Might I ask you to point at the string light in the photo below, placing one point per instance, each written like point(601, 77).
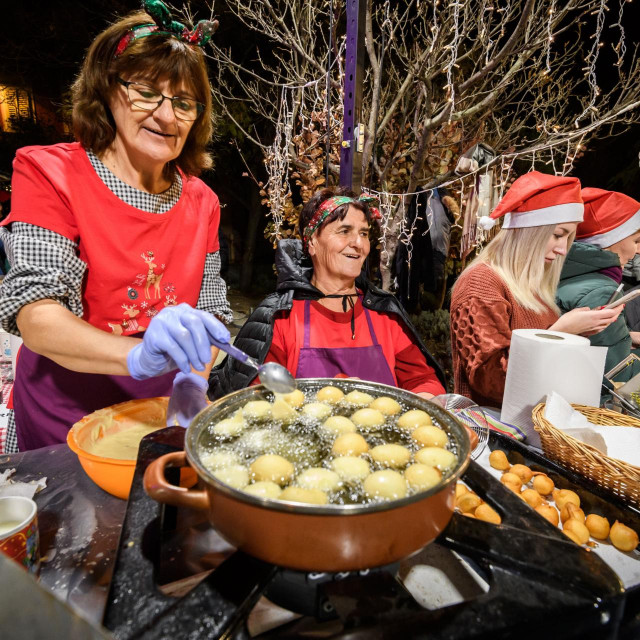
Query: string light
point(454, 55)
point(593, 57)
point(560, 152)
point(549, 37)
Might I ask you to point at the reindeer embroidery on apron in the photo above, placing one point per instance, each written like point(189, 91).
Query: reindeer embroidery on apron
point(153, 278)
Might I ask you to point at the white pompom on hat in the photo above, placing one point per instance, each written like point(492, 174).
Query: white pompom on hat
point(609, 217)
point(537, 199)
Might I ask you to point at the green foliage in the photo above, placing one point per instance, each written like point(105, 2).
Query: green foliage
point(433, 328)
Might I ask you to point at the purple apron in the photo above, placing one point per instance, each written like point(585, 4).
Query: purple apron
point(366, 363)
point(48, 398)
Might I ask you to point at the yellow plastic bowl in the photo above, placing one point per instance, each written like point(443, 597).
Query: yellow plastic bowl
point(111, 474)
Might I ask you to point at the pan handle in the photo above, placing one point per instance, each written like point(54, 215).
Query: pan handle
point(157, 487)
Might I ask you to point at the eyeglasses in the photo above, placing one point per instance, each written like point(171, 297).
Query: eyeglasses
point(147, 98)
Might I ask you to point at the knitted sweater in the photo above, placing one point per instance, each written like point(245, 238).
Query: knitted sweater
point(483, 315)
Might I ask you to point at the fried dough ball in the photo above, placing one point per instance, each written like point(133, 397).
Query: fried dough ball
point(430, 436)
point(531, 497)
point(299, 494)
point(598, 526)
point(219, 459)
point(549, 513)
point(522, 471)
point(235, 476)
point(317, 410)
point(468, 502)
point(391, 455)
point(318, 478)
point(256, 410)
point(512, 479)
point(230, 427)
point(622, 537)
point(263, 489)
point(330, 395)
point(387, 406)
point(571, 512)
point(349, 444)
point(579, 529)
point(386, 484)
point(498, 460)
point(413, 419)
point(572, 536)
point(339, 424)
point(350, 468)
point(367, 418)
point(543, 484)
point(516, 487)
point(422, 477)
point(487, 513)
point(563, 496)
point(460, 489)
point(272, 468)
point(436, 457)
point(358, 398)
point(295, 398)
point(257, 441)
point(283, 411)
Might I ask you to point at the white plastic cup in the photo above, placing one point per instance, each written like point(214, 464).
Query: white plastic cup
point(19, 536)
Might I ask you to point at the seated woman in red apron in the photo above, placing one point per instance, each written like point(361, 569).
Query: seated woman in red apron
point(325, 319)
point(112, 240)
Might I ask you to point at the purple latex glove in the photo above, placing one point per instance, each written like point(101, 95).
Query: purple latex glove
point(189, 397)
point(177, 338)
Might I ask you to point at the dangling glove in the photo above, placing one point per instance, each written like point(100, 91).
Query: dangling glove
point(189, 397)
point(177, 338)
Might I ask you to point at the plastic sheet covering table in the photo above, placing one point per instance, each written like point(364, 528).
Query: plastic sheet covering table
point(79, 527)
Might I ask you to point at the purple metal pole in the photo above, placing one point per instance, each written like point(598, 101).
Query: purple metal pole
point(351, 153)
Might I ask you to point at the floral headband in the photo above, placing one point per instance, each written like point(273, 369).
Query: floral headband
point(164, 25)
point(329, 206)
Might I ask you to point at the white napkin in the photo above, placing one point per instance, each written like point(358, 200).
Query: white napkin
point(618, 442)
point(24, 489)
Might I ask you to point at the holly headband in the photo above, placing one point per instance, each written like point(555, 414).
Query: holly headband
point(164, 25)
point(329, 206)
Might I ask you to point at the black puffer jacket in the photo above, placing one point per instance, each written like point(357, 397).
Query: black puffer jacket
point(294, 274)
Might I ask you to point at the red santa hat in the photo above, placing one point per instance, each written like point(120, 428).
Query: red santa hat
point(537, 199)
point(609, 217)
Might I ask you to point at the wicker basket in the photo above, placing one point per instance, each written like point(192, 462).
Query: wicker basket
point(616, 476)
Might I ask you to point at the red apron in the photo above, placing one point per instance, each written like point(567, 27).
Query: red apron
point(366, 363)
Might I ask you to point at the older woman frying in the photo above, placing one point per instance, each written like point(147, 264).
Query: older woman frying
point(113, 241)
point(325, 319)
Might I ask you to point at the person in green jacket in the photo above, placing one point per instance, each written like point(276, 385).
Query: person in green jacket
point(606, 240)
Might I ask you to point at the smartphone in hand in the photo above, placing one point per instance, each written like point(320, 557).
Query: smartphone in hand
point(629, 296)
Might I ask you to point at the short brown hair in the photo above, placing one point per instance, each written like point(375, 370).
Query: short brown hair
point(158, 56)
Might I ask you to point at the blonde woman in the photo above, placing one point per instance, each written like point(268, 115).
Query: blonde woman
point(512, 283)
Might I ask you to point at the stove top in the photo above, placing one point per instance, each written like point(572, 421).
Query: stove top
point(538, 581)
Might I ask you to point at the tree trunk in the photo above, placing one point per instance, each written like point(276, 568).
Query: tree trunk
point(250, 239)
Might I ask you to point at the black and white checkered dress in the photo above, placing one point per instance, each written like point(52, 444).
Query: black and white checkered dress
point(45, 265)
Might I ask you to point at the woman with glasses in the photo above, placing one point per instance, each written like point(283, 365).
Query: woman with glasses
point(113, 241)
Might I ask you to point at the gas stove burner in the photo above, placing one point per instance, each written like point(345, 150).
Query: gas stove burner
point(304, 593)
point(540, 584)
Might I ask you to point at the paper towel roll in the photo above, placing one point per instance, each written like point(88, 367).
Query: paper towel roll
point(542, 361)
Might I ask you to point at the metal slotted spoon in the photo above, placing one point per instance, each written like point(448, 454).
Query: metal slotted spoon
point(273, 376)
point(470, 414)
